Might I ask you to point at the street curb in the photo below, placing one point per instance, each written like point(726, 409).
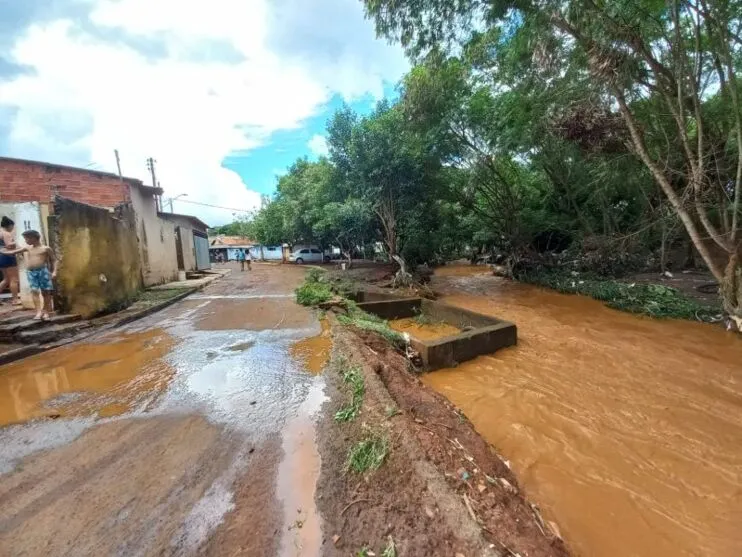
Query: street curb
point(33, 349)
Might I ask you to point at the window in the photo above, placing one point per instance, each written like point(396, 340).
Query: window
point(316, 251)
point(271, 249)
point(304, 251)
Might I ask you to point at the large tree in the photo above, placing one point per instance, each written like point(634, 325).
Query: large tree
point(660, 76)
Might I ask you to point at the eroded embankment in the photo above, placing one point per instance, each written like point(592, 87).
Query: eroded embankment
point(440, 488)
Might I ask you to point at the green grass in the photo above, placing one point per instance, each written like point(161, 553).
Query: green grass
point(367, 454)
point(362, 320)
point(353, 377)
point(156, 296)
point(315, 290)
point(654, 300)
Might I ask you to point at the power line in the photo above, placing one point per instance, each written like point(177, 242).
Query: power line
point(214, 206)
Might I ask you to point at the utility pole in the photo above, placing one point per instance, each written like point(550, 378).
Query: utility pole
point(118, 164)
point(151, 167)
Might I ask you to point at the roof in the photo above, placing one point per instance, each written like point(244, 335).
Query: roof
point(231, 241)
point(194, 220)
point(132, 181)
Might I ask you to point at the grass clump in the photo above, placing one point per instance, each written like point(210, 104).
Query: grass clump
point(353, 377)
point(314, 290)
point(156, 296)
point(368, 454)
point(390, 550)
point(362, 320)
point(655, 300)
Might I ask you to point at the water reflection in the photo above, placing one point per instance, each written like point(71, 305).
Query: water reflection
point(107, 378)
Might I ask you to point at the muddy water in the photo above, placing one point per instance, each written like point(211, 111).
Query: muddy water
point(314, 352)
point(626, 431)
point(423, 331)
point(107, 378)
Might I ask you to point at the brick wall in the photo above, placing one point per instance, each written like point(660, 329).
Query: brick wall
point(34, 181)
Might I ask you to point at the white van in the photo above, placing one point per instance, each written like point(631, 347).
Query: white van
point(308, 255)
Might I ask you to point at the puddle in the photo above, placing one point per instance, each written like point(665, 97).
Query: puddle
point(627, 431)
point(314, 352)
point(108, 378)
point(297, 480)
point(424, 330)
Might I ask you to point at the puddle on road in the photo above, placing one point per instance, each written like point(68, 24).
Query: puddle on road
point(82, 379)
point(314, 352)
point(462, 270)
point(626, 430)
point(424, 330)
point(297, 480)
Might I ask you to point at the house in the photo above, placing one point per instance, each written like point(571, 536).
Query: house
point(228, 247)
point(34, 185)
point(191, 242)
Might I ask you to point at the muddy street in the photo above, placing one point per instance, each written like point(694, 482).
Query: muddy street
point(627, 431)
point(189, 431)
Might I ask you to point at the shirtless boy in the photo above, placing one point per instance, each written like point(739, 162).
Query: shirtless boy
point(39, 259)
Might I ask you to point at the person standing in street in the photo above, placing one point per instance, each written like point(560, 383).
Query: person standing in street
point(241, 257)
point(248, 258)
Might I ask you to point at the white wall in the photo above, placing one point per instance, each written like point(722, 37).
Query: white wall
point(26, 216)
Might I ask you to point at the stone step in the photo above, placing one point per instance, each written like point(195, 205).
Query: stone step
point(13, 330)
point(52, 333)
point(16, 317)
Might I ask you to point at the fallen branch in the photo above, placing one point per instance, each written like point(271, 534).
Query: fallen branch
point(349, 505)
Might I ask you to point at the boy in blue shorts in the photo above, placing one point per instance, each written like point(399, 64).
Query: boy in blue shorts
point(41, 269)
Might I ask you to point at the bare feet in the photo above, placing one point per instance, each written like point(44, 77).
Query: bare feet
point(37, 316)
point(45, 316)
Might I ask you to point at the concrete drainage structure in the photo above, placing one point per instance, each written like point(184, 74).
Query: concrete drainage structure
point(481, 334)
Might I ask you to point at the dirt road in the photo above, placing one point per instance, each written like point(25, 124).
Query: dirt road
point(188, 432)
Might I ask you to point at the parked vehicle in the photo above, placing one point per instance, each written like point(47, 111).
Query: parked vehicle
point(308, 255)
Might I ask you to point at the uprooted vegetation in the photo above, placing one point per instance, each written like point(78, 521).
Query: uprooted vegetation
point(353, 377)
point(315, 290)
point(368, 453)
point(654, 300)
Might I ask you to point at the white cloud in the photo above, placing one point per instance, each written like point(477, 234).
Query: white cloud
point(318, 145)
point(87, 96)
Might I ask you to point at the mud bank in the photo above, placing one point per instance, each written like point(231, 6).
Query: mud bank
point(441, 489)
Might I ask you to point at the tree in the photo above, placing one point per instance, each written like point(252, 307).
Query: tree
point(382, 163)
point(658, 77)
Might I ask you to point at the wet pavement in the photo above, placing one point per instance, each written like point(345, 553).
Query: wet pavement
point(190, 431)
point(627, 431)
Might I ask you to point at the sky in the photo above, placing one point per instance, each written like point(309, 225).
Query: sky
point(224, 94)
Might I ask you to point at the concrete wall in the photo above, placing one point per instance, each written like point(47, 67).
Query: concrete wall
point(98, 257)
point(156, 240)
point(481, 334)
point(37, 181)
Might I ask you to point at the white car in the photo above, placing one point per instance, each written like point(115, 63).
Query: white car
point(308, 255)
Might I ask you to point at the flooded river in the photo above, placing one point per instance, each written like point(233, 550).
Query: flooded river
point(627, 431)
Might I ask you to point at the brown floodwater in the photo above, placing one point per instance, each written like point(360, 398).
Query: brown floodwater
point(81, 379)
point(424, 331)
point(314, 352)
point(627, 431)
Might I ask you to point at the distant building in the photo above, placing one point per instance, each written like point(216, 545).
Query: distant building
point(227, 248)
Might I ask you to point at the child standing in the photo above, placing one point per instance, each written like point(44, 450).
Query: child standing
point(39, 260)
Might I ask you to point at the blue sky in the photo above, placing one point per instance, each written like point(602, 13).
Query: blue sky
point(260, 168)
point(224, 94)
